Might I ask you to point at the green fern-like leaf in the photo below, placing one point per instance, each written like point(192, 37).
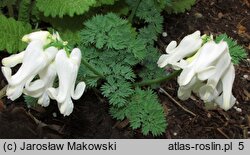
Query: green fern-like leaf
point(72, 37)
point(24, 10)
point(118, 112)
point(150, 69)
point(64, 7)
point(30, 101)
point(4, 3)
point(11, 32)
point(105, 2)
point(122, 72)
point(236, 51)
point(109, 31)
point(117, 91)
point(145, 111)
point(180, 6)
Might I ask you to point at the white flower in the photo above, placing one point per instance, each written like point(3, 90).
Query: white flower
point(13, 60)
point(34, 89)
point(208, 91)
point(184, 92)
point(67, 69)
point(210, 75)
point(175, 55)
point(34, 59)
point(226, 100)
point(203, 66)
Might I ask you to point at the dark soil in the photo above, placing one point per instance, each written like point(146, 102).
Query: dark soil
point(91, 119)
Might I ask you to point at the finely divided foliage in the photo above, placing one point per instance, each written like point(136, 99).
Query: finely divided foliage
point(237, 52)
point(113, 46)
point(144, 111)
point(180, 6)
point(64, 7)
point(4, 3)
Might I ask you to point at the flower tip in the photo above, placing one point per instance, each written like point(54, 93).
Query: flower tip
point(26, 39)
point(197, 33)
point(171, 46)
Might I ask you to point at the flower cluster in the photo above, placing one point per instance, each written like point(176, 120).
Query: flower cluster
point(44, 59)
point(206, 66)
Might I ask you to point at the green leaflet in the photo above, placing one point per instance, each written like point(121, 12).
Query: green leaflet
point(118, 112)
point(64, 7)
point(107, 32)
point(30, 101)
point(72, 37)
point(113, 47)
point(11, 33)
point(180, 6)
point(117, 91)
point(144, 111)
point(104, 2)
point(236, 51)
point(24, 10)
point(4, 3)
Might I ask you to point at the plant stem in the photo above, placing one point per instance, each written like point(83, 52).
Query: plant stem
point(158, 80)
point(131, 16)
point(92, 68)
point(10, 10)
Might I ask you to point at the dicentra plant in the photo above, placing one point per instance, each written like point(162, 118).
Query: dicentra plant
point(118, 53)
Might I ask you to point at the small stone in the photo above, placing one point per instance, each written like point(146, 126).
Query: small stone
point(238, 109)
point(164, 34)
point(198, 15)
point(208, 115)
point(245, 76)
point(237, 103)
point(54, 114)
point(220, 15)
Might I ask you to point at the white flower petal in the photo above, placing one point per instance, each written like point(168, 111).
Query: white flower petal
point(209, 92)
point(186, 76)
point(204, 63)
point(188, 46)
point(64, 68)
point(34, 89)
point(53, 93)
point(227, 83)
point(7, 73)
point(184, 92)
point(14, 92)
point(209, 54)
point(76, 56)
point(78, 91)
point(66, 108)
point(13, 60)
point(44, 100)
point(205, 73)
point(38, 35)
point(163, 60)
point(171, 46)
point(33, 62)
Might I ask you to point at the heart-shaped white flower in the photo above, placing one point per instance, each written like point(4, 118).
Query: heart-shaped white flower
point(33, 60)
point(67, 69)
